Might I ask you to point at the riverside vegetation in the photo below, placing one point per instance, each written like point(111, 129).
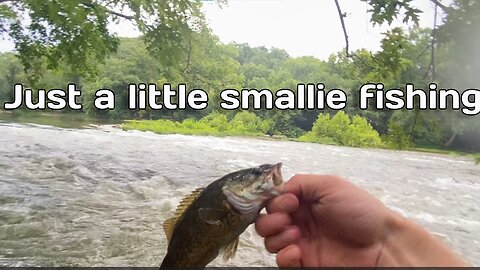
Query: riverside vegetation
point(445, 55)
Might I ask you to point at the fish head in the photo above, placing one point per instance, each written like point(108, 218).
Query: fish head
point(248, 189)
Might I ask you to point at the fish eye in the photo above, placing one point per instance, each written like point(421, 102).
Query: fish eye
point(256, 171)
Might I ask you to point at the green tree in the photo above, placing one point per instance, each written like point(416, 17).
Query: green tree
point(11, 72)
point(75, 32)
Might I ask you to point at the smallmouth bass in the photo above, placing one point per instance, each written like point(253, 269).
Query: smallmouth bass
point(210, 220)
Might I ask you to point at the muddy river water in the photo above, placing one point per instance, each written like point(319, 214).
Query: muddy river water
point(97, 196)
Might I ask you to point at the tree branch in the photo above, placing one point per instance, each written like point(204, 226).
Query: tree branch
point(342, 21)
point(437, 3)
point(431, 67)
point(347, 43)
point(434, 41)
point(189, 56)
point(4, 1)
point(361, 60)
point(89, 5)
point(374, 59)
point(94, 6)
point(424, 51)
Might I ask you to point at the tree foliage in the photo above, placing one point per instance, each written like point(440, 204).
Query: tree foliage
point(343, 130)
point(243, 123)
point(75, 32)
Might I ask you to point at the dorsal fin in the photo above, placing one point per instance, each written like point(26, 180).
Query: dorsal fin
point(169, 224)
point(230, 249)
point(168, 227)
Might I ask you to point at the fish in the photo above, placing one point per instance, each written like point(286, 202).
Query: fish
point(209, 221)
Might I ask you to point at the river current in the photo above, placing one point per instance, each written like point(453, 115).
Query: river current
point(97, 196)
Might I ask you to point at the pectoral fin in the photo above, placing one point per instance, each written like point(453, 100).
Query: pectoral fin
point(211, 216)
point(230, 249)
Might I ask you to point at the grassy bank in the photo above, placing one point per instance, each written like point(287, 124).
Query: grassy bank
point(215, 124)
point(339, 130)
point(187, 127)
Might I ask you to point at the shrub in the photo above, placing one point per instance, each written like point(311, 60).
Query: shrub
point(216, 120)
point(339, 128)
point(362, 134)
point(343, 131)
point(244, 123)
point(321, 125)
point(397, 138)
point(250, 123)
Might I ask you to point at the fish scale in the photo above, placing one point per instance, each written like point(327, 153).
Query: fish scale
point(209, 221)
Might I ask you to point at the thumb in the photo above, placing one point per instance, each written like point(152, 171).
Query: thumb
point(312, 187)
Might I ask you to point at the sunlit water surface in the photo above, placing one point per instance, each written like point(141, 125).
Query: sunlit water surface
point(98, 196)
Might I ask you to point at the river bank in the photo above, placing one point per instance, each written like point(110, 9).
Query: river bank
point(199, 129)
point(72, 120)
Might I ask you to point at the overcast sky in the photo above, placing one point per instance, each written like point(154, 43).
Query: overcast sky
point(301, 27)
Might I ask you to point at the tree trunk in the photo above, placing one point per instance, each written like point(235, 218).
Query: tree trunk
point(412, 130)
point(451, 140)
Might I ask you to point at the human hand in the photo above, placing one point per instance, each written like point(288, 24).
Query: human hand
point(324, 221)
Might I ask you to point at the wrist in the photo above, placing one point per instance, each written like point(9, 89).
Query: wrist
point(408, 244)
point(389, 254)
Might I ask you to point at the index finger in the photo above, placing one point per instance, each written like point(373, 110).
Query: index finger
point(283, 203)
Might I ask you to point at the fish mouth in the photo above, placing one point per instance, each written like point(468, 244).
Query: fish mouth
point(274, 174)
